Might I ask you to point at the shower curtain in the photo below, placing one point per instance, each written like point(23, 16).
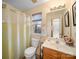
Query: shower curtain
point(15, 33)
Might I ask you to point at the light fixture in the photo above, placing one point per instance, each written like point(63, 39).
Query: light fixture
point(34, 1)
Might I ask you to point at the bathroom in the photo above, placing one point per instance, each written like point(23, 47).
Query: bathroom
point(38, 29)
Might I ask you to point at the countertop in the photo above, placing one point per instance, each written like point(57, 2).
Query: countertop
point(59, 45)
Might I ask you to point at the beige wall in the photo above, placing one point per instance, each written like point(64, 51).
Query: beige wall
point(72, 28)
point(45, 8)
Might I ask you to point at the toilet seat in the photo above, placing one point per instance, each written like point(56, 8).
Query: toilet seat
point(30, 51)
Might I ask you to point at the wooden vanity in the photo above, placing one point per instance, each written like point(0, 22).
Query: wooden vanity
point(53, 50)
point(53, 54)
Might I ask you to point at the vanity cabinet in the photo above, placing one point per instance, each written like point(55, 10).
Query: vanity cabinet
point(53, 54)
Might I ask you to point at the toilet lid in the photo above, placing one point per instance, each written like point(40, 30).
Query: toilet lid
point(30, 50)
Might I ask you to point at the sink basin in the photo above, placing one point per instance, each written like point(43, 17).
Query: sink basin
point(59, 46)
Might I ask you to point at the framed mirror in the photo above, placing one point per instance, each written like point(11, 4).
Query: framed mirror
point(74, 13)
point(66, 18)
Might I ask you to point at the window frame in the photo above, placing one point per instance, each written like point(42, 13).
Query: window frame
point(37, 20)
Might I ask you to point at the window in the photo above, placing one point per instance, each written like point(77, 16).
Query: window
point(36, 20)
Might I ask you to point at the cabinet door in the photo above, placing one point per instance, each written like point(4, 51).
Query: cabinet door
point(49, 54)
point(46, 56)
point(66, 56)
point(50, 51)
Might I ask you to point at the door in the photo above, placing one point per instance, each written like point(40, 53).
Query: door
point(66, 56)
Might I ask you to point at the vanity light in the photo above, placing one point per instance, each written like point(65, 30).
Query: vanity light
point(57, 7)
point(34, 1)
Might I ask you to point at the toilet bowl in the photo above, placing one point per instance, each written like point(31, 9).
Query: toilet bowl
point(29, 53)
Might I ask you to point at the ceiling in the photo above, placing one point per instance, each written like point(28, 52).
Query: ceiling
point(25, 4)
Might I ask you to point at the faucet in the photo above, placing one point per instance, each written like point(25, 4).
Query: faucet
point(57, 41)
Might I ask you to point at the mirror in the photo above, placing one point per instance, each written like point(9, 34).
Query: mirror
point(55, 24)
point(56, 28)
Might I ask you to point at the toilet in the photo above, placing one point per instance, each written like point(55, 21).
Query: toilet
point(29, 53)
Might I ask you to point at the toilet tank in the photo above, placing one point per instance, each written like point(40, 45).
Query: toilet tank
point(35, 42)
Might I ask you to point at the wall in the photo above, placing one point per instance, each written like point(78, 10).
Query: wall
point(72, 29)
point(15, 34)
point(45, 8)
